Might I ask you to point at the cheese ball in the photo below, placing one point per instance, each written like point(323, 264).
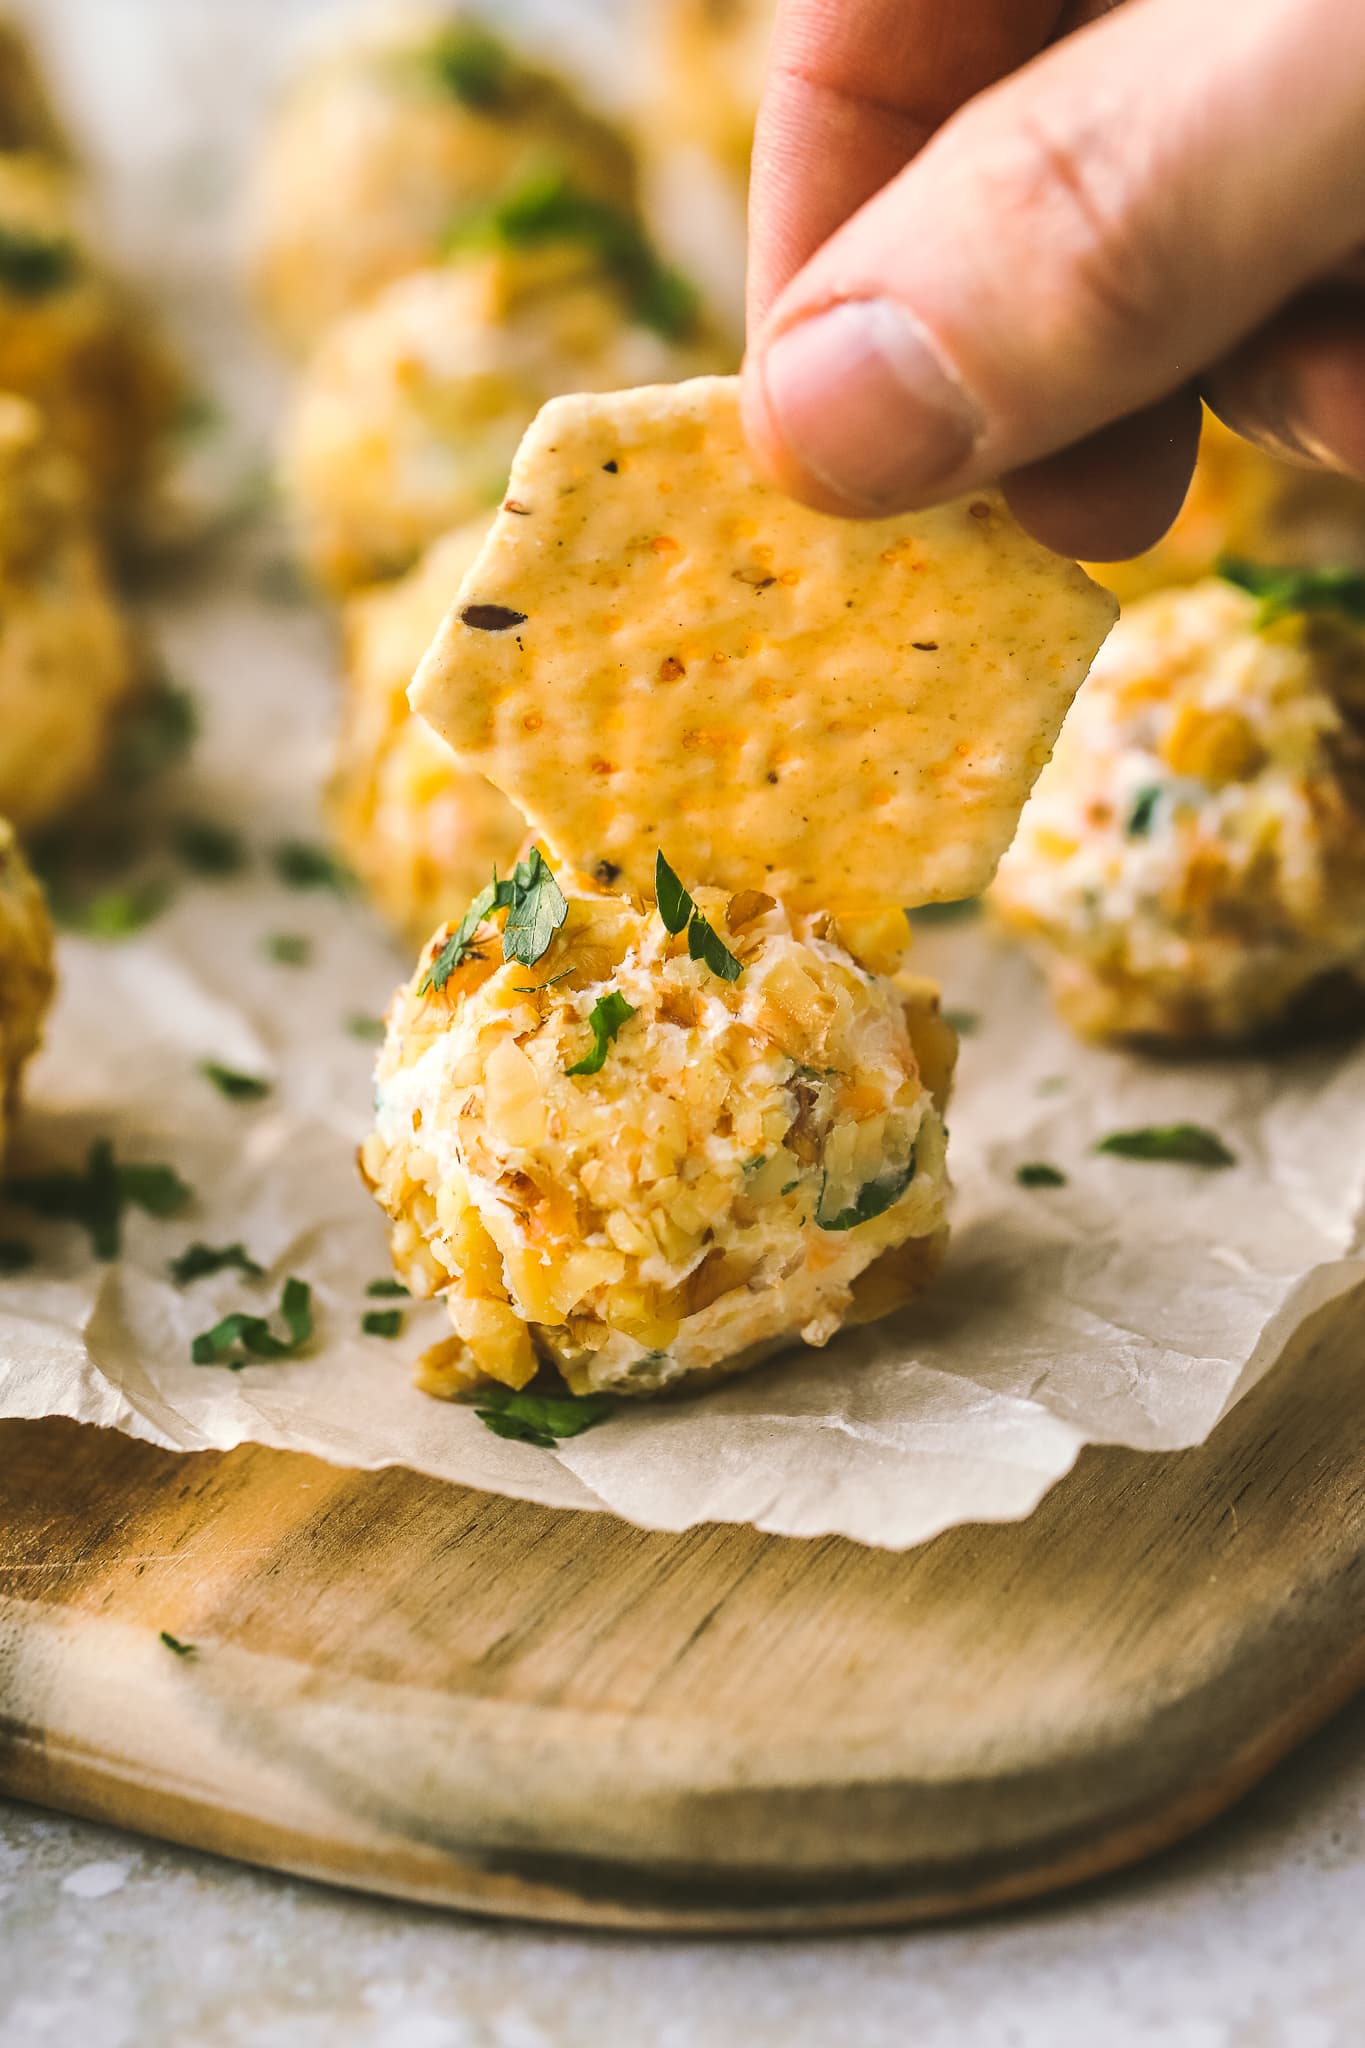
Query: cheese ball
point(67, 665)
point(1191, 865)
point(755, 1162)
point(386, 142)
point(1244, 502)
point(73, 343)
point(406, 422)
point(26, 973)
point(421, 832)
point(27, 118)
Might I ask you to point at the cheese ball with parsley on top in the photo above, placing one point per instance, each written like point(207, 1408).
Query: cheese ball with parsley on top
point(643, 1167)
point(67, 667)
point(406, 422)
point(26, 973)
point(1191, 864)
point(421, 831)
point(75, 344)
point(387, 142)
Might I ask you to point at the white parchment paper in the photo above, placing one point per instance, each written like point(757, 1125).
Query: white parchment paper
point(1131, 1306)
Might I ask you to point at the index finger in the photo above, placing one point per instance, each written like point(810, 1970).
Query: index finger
point(855, 89)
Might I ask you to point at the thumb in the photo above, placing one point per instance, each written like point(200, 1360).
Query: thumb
point(1073, 246)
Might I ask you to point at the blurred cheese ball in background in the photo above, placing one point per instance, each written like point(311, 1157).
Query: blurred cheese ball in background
point(66, 657)
point(421, 832)
point(27, 118)
point(388, 141)
point(1191, 864)
point(753, 1162)
point(1245, 502)
point(26, 973)
point(74, 343)
point(406, 422)
point(703, 64)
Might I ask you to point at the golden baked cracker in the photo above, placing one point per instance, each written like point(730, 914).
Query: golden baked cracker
point(656, 649)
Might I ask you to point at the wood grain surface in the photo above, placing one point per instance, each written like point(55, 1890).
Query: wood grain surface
point(470, 1701)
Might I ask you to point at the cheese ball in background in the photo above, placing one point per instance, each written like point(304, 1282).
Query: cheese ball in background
point(420, 831)
point(67, 666)
point(26, 973)
point(406, 422)
point(1191, 864)
point(1244, 502)
point(75, 344)
point(27, 118)
point(383, 146)
point(753, 1162)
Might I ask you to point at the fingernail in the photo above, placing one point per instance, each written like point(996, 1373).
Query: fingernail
point(864, 403)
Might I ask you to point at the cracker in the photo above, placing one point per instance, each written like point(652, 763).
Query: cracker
point(657, 649)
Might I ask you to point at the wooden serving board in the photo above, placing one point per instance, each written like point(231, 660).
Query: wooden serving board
point(468, 1701)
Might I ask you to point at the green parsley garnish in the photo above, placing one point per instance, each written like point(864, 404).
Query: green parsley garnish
point(387, 1290)
point(97, 1198)
point(540, 1419)
point(34, 265)
point(369, 1030)
point(550, 207)
point(209, 848)
point(301, 865)
point(197, 1261)
point(1283, 591)
point(174, 1643)
point(1140, 817)
point(1038, 1174)
point(382, 1322)
point(471, 65)
point(606, 1017)
point(254, 1335)
point(236, 1086)
point(1182, 1144)
point(678, 910)
point(161, 725)
point(288, 949)
point(874, 1198)
point(535, 907)
point(114, 913)
point(15, 1256)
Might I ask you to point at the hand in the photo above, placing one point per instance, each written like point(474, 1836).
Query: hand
point(1007, 238)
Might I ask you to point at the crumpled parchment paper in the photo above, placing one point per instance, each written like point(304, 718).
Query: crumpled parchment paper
point(1131, 1306)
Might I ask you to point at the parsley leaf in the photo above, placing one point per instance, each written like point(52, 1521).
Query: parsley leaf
point(301, 865)
point(199, 1260)
point(288, 949)
point(210, 848)
point(15, 1256)
point(34, 265)
point(174, 1643)
point(254, 1335)
point(675, 905)
point(1038, 1174)
point(550, 207)
point(535, 906)
point(382, 1322)
point(1182, 1144)
point(606, 1017)
point(540, 1419)
point(874, 1198)
point(387, 1290)
point(369, 1030)
point(161, 726)
point(236, 1086)
point(678, 910)
point(471, 65)
point(1282, 591)
point(97, 1198)
point(1143, 812)
point(705, 943)
point(114, 913)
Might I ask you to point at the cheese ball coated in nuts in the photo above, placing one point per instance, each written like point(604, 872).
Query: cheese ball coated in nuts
point(66, 658)
point(421, 831)
point(381, 148)
point(26, 972)
point(1191, 864)
point(407, 420)
point(755, 1162)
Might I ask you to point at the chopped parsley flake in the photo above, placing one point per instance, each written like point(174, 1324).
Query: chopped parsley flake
point(1283, 591)
point(15, 1256)
point(678, 910)
point(174, 1644)
point(387, 1290)
point(963, 1022)
point(160, 727)
point(197, 1261)
point(535, 907)
point(236, 1086)
point(114, 913)
point(369, 1030)
point(34, 265)
point(210, 848)
point(1038, 1174)
point(1143, 812)
point(240, 1337)
point(540, 1419)
point(288, 949)
point(550, 207)
point(606, 1017)
point(1180, 1144)
point(97, 1198)
point(382, 1322)
point(471, 65)
point(874, 1198)
point(301, 865)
